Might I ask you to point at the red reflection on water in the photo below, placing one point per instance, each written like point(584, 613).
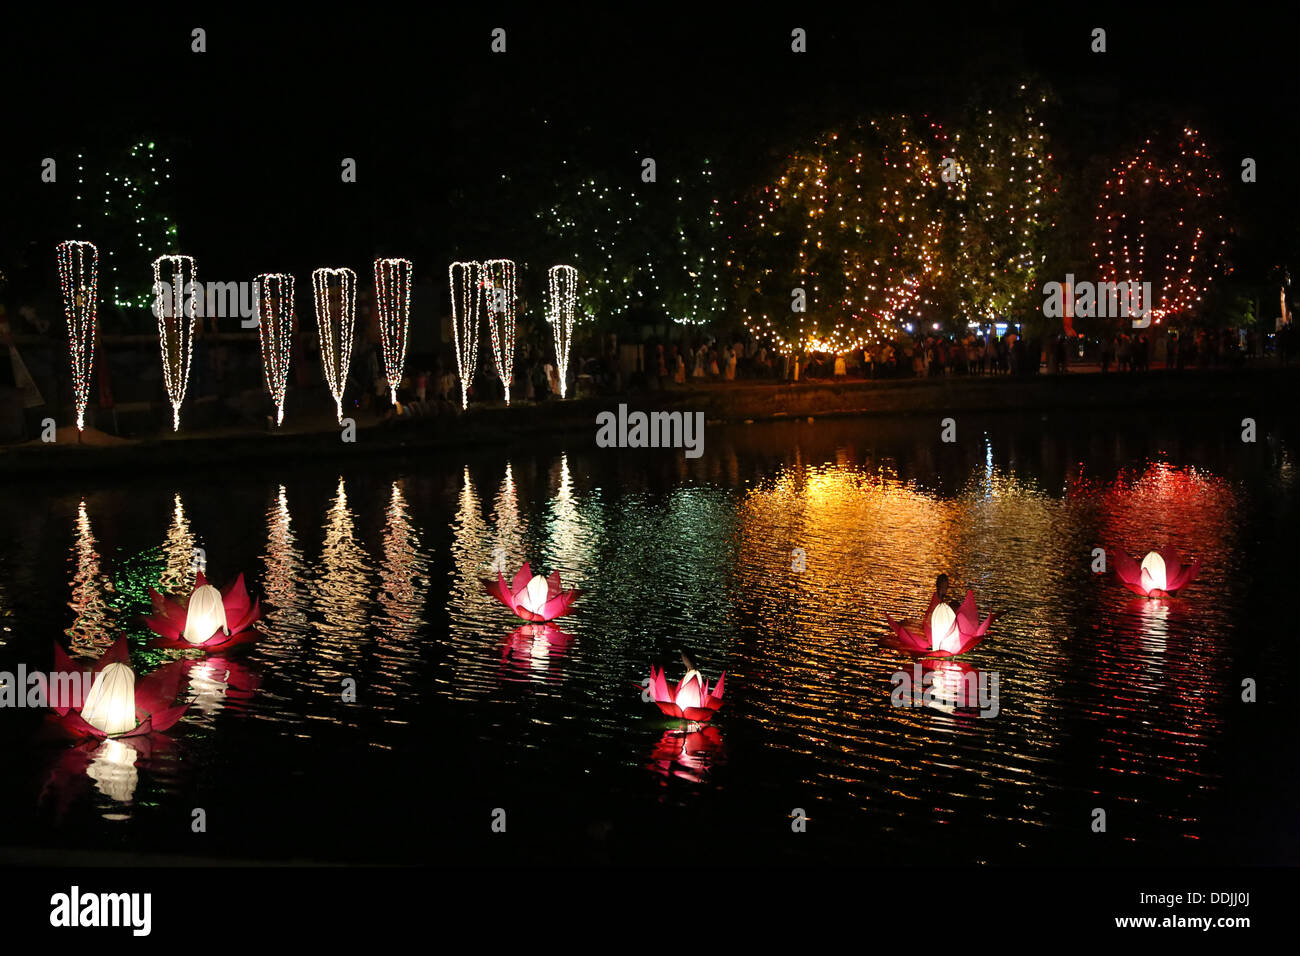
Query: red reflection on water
point(690, 755)
point(534, 648)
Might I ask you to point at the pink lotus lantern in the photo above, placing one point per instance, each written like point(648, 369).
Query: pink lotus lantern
point(1160, 574)
point(942, 632)
point(118, 705)
point(210, 620)
point(531, 596)
point(689, 700)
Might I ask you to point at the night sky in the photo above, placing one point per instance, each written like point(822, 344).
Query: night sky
point(258, 125)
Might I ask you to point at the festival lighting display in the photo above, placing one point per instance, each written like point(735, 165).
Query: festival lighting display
point(393, 299)
point(336, 315)
point(79, 280)
point(1160, 220)
point(466, 297)
point(641, 251)
point(275, 331)
point(853, 221)
point(562, 285)
point(997, 206)
point(177, 311)
point(500, 300)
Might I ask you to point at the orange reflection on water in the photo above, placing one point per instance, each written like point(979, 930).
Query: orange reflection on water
point(90, 634)
point(341, 589)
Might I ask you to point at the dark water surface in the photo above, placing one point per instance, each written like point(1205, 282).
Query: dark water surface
point(371, 572)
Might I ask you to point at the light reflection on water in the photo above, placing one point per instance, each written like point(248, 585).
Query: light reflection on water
point(1104, 700)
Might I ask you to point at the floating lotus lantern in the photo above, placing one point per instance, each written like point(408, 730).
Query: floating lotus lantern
point(210, 619)
point(117, 704)
point(1160, 574)
point(532, 596)
point(691, 699)
point(942, 632)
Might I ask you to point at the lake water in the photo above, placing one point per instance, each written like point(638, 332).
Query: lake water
point(372, 572)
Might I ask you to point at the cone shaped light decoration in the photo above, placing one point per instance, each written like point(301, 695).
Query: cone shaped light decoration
point(79, 278)
point(393, 298)
point(466, 294)
point(563, 288)
point(275, 330)
point(498, 279)
point(336, 313)
point(175, 305)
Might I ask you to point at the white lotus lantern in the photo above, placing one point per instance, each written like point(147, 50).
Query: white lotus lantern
point(1154, 565)
point(206, 615)
point(110, 705)
point(534, 597)
point(943, 627)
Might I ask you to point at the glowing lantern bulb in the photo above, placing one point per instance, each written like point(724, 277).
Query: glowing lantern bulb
point(1154, 566)
point(110, 705)
point(534, 596)
point(206, 615)
point(690, 693)
point(942, 623)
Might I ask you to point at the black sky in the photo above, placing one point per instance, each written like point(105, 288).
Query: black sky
point(257, 126)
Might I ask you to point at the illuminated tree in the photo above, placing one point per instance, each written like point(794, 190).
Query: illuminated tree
point(849, 230)
point(125, 206)
point(1160, 219)
point(643, 249)
point(997, 205)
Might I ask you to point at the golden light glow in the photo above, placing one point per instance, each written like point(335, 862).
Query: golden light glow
point(110, 705)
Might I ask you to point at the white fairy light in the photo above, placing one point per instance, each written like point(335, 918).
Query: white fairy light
point(466, 293)
point(79, 277)
point(336, 320)
point(563, 287)
point(393, 298)
point(497, 277)
point(177, 319)
point(275, 330)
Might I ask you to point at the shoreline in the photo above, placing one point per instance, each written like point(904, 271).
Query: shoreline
point(1254, 392)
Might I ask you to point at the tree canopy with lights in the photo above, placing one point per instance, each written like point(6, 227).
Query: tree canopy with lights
point(644, 250)
point(997, 206)
point(1161, 219)
point(849, 231)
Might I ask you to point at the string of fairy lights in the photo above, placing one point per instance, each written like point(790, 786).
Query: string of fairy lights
point(126, 214)
point(887, 215)
point(275, 333)
point(336, 313)
point(607, 222)
point(863, 208)
point(562, 288)
point(500, 302)
point(393, 300)
point(177, 309)
point(466, 294)
point(872, 224)
point(1137, 233)
point(999, 201)
point(79, 281)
